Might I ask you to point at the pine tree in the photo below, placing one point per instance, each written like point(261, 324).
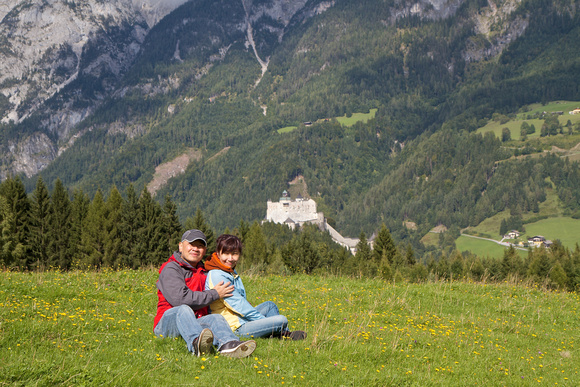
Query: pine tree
point(17, 251)
point(94, 235)
point(151, 244)
point(255, 248)
point(410, 256)
point(60, 248)
point(39, 225)
point(243, 230)
point(363, 250)
point(130, 225)
point(300, 254)
point(171, 227)
point(113, 245)
point(11, 250)
point(510, 263)
point(79, 209)
point(384, 246)
point(503, 227)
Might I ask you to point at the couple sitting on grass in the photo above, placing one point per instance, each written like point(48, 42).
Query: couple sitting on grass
point(212, 309)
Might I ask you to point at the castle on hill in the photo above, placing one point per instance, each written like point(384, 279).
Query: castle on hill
point(296, 213)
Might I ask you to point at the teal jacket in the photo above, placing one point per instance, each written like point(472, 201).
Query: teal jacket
point(235, 309)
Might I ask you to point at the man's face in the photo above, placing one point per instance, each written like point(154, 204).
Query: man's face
point(192, 252)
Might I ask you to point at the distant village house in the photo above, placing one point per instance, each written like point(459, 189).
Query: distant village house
point(513, 234)
point(539, 241)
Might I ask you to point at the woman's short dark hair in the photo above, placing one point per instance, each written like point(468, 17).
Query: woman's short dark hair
point(228, 244)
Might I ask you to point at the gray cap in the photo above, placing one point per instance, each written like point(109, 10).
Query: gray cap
point(193, 235)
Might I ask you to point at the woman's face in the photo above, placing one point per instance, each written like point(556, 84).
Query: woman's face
point(229, 259)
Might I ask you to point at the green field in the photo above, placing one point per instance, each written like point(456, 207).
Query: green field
point(515, 124)
point(96, 329)
point(566, 229)
point(344, 120)
point(287, 129)
point(356, 117)
point(482, 248)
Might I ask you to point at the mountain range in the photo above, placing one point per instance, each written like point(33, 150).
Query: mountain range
point(221, 104)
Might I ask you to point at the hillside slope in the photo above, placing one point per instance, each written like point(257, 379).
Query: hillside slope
point(223, 74)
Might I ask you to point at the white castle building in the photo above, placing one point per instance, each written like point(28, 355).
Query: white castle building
point(295, 213)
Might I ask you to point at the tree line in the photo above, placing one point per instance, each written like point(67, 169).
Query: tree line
point(68, 231)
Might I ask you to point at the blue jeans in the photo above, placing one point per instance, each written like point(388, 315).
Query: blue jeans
point(181, 321)
point(272, 324)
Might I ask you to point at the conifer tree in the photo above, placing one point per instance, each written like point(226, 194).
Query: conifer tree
point(558, 276)
point(243, 230)
point(39, 225)
point(79, 208)
point(300, 254)
point(540, 265)
point(384, 246)
point(94, 235)
point(17, 251)
point(255, 248)
point(171, 227)
point(131, 224)
point(363, 250)
point(59, 246)
point(362, 263)
point(151, 247)
point(510, 262)
point(11, 250)
point(410, 256)
point(113, 245)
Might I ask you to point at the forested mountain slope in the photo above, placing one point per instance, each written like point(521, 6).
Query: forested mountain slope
point(222, 77)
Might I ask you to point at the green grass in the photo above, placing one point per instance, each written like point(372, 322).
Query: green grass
point(356, 117)
point(344, 120)
point(287, 129)
point(482, 247)
point(96, 329)
point(554, 227)
point(555, 106)
point(489, 228)
point(430, 239)
point(566, 229)
point(515, 124)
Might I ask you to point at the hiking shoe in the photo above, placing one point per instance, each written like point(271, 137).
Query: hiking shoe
point(203, 344)
point(238, 349)
point(294, 335)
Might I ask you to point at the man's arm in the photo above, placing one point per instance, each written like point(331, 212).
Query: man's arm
point(172, 284)
point(237, 303)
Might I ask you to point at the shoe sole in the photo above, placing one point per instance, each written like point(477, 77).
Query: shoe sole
point(243, 350)
point(205, 342)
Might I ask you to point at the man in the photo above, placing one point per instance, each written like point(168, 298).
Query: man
point(182, 309)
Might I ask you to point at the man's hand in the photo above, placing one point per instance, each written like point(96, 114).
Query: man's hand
point(224, 290)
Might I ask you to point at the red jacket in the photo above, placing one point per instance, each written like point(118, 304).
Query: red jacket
point(181, 284)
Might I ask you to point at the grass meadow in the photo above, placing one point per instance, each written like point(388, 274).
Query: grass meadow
point(566, 229)
point(483, 248)
point(356, 117)
point(95, 328)
point(515, 124)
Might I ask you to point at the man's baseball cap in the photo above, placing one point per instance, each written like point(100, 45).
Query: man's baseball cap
point(194, 235)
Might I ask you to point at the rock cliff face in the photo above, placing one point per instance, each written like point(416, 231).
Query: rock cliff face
point(48, 49)
point(59, 59)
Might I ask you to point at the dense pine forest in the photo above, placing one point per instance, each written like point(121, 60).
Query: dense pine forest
point(60, 231)
point(434, 83)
